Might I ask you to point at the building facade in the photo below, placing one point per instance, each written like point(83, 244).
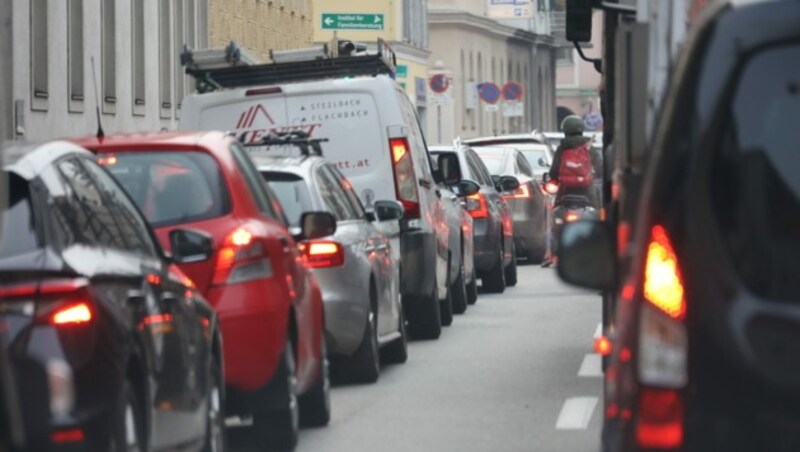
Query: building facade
point(401, 23)
point(70, 56)
point(261, 25)
point(473, 49)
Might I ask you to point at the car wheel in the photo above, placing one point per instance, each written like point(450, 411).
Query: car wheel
point(278, 430)
point(425, 321)
point(128, 426)
point(315, 405)
point(364, 365)
point(215, 411)
point(472, 290)
point(511, 269)
point(396, 352)
point(495, 279)
point(459, 293)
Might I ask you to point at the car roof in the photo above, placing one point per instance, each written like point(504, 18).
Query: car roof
point(514, 138)
point(151, 139)
point(301, 166)
point(28, 160)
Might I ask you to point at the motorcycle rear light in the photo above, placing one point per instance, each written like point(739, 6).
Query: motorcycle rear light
point(663, 285)
point(75, 313)
point(322, 254)
point(660, 419)
point(551, 187)
point(73, 435)
point(404, 177)
point(242, 258)
point(572, 216)
point(521, 192)
point(663, 350)
point(603, 346)
point(477, 207)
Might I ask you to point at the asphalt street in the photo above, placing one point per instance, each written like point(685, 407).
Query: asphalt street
point(515, 373)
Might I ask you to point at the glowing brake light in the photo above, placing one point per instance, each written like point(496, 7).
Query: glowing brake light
point(405, 179)
point(320, 254)
point(572, 216)
point(603, 346)
point(241, 258)
point(521, 192)
point(72, 314)
point(476, 206)
point(663, 285)
point(241, 237)
point(551, 187)
point(660, 422)
point(109, 160)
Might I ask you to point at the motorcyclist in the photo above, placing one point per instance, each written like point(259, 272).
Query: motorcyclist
point(572, 127)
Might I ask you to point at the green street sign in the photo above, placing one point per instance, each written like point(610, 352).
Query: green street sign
point(401, 71)
point(344, 21)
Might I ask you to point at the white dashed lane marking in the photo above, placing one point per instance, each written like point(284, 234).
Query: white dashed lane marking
point(576, 413)
point(591, 366)
point(598, 331)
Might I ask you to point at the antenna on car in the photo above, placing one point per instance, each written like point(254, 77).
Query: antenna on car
point(100, 133)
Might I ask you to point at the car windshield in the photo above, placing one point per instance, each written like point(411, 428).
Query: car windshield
point(171, 187)
point(19, 228)
point(292, 192)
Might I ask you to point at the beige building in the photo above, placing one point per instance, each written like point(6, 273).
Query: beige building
point(261, 25)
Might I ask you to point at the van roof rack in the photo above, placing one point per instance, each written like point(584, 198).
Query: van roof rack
point(300, 139)
point(340, 64)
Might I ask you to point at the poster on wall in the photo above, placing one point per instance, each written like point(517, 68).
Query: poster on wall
point(509, 9)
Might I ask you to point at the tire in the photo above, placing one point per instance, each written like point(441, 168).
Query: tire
point(278, 430)
point(396, 352)
point(459, 293)
point(425, 320)
point(127, 428)
point(495, 279)
point(472, 290)
point(315, 405)
point(364, 365)
point(511, 270)
point(215, 411)
point(446, 308)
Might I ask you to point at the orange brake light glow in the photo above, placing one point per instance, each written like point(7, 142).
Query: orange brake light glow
point(663, 285)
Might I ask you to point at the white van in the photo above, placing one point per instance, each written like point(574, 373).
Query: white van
point(374, 139)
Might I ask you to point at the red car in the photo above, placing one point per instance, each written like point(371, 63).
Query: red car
point(246, 264)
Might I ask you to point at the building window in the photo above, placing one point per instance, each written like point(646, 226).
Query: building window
point(75, 55)
point(177, 45)
point(165, 59)
point(109, 47)
point(137, 35)
point(564, 55)
point(39, 65)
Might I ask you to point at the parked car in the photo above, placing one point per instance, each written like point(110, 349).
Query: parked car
point(529, 204)
point(356, 267)
point(103, 329)
point(374, 139)
point(462, 280)
point(494, 257)
point(246, 263)
point(704, 350)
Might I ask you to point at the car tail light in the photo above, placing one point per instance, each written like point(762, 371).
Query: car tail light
point(572, 216)
point(476, 206)
point(73, 435)
point(663, 285)
point(660, 419)
point(61, 302)
point(551, 188)
point(72, 314)
point(521, 192)
point(241, 258)
point(321, 254)
point(404, 177)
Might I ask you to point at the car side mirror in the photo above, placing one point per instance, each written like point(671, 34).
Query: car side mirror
point(579, 20)
point(388, 210)
point(509, 183)
point(543, 163)
point(314, 225)
point(496, 181)
point(450, 168)
point(586, 255)
point(437, 176)
point(190, 246)
point(466, 188)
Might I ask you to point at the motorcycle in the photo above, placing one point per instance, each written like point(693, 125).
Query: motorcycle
point(566, 209)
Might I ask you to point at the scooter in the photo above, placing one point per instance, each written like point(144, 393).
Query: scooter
point(568, 208)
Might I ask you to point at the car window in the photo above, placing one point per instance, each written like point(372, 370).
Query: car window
point(292, 192)
point(524, 166)
point(347, 187)
point(332, 196)
point(475, 170)
point(485, 176)
point(254, 182)
point(133, 229)
point(20, 218)
point(533, 156)
point(495, 162)
point(754, 175)
point(171, 187)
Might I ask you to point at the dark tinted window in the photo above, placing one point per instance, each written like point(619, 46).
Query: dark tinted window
point(292, 192)
point(332, 195)
point(19, 225)
point(134, 234)
point(755, 183)
point(265, 203)
point(347, 187)
point(171, 187)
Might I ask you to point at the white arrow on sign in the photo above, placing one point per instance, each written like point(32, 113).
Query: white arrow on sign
point(328, 21)
point(377, 19)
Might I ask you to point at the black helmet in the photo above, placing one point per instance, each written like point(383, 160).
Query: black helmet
point(572, 125)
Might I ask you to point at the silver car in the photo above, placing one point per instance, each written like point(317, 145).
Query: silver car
point(356, 267)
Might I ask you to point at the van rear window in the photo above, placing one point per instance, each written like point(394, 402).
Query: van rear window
point(19, 228)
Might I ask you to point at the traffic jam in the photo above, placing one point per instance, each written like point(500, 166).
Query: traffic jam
point(222, 286)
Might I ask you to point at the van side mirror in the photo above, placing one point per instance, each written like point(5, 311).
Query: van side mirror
point(579, 20)
point(190, 246)
point(450, 168)
point(388, 210)
point(586, 255)
point(314, 225)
